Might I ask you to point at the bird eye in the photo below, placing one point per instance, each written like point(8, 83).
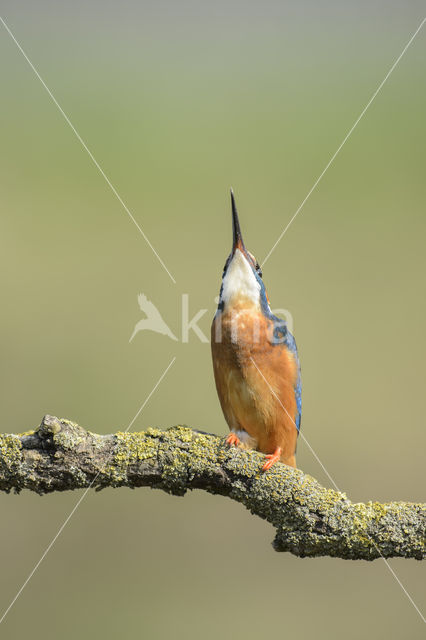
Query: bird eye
point(255, 264)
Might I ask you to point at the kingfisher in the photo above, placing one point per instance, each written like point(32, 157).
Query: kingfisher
point(255, 361)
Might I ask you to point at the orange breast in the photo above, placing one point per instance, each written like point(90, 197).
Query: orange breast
point(255, 381)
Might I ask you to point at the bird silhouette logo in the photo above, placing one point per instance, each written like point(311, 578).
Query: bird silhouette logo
point(153, 320)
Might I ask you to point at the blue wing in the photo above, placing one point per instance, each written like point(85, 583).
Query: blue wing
point(282, 335)
point(298, 392)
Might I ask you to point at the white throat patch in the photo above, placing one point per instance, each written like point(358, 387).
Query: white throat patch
point(240, 282)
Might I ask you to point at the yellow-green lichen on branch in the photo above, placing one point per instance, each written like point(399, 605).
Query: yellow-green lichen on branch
point(10, 451)
point(310, 520)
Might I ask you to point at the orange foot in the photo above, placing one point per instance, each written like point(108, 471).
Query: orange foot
point(272, 459)
point(233, 439)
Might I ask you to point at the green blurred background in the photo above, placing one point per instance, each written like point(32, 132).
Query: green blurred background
point(178, 101)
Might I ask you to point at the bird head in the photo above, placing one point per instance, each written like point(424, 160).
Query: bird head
point(242, 283)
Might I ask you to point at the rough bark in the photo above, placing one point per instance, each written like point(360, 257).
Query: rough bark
point(310, 520)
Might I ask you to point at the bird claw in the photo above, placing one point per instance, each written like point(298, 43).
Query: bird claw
point(233, 440)
point(272, 458)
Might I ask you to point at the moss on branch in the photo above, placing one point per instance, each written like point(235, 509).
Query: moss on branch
point(309, 519)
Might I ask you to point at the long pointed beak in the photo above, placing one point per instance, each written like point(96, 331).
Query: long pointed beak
point(237, 237)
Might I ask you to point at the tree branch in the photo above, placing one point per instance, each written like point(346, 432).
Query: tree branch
point(309, 519)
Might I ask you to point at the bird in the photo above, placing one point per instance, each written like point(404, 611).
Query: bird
point(255, 361)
